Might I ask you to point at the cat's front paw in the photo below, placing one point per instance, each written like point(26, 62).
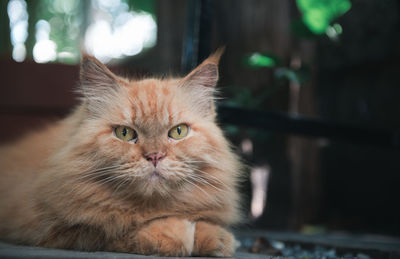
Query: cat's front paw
point(213, 240)
point(166, 237)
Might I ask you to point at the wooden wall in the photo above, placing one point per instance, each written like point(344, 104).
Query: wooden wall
point(32, 94)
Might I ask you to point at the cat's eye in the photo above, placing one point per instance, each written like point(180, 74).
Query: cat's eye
point(178, 132)
point(125, 133)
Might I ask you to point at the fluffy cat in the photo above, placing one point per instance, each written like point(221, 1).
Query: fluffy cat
point(139, 166)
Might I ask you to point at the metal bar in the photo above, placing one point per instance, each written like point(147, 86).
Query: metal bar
point(197, 39)
point(304, 126)
point(204, 40)
point(191, 36)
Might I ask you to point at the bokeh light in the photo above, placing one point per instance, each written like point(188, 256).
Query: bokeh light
point(116, 31)
point(63, 29)
point(45, 50)
point(259, 179)
point(17, 12)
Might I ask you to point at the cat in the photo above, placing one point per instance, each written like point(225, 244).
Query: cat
point(139, 166)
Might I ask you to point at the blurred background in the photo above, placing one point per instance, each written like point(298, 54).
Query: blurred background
point(311, 91)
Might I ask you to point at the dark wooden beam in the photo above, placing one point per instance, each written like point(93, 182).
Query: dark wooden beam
point(316, 128)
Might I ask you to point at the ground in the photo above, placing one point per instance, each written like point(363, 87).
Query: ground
point(13, 251)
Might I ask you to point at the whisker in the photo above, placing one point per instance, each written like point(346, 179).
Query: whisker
point(205, 182)
point(125, 181)
point(193, 184)
point(207, 175)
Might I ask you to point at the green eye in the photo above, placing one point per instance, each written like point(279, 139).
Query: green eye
point(178, 132)
point(125, 133)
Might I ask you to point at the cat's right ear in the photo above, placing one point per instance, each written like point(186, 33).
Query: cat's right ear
point(95, 78)
point(97, 83)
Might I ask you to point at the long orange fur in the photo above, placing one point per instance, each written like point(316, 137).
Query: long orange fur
point(74, 185)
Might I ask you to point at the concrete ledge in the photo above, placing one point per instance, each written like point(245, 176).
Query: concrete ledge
point(14, 251)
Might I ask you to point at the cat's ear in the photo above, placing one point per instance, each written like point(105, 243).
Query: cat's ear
point(201, 83)
point(97, 83)
point(95, 78)
point(206, 74)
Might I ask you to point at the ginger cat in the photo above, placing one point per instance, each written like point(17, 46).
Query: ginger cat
point(139, 166)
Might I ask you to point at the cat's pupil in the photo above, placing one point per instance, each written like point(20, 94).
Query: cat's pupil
point(179, 130)
point(124, 131)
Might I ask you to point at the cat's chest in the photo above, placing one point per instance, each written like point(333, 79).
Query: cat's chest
point(115, 211)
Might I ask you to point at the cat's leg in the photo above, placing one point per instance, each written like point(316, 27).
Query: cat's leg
point(165, 237)
point(76, 237)
point(213, 240)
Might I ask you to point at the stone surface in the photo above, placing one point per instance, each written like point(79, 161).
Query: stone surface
point(14, 251)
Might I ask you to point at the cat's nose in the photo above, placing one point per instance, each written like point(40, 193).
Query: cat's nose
point(155, 157)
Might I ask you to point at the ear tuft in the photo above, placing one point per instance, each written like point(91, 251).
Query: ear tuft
point(92, 72)
point(216, 56)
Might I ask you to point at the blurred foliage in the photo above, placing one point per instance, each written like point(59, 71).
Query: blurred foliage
point(317, 15)
point(243, 96)
point(65, 19)
point(148, 6)
point(246, 97)
point(316, 19)
point(259, 60)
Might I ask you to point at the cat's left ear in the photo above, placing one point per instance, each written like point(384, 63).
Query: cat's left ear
point(201, 83)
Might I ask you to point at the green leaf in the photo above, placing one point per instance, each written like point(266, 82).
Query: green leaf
point(261, 60)
point(319, 14)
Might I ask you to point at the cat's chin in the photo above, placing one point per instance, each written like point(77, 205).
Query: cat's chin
point(155, 183)
point(155, 190)
point(154, 179)
point(156, 176)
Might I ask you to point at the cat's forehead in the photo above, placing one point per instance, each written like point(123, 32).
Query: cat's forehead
point(152, 87)
point(153, 101)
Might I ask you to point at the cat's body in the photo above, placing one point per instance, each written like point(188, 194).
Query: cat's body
point(80, 184)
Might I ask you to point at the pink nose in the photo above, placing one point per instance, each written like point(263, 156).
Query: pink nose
point(154, 158)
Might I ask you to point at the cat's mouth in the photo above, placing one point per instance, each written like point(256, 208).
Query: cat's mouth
point(156, 175)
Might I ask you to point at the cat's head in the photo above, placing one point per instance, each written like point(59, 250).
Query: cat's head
point(153, 136)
